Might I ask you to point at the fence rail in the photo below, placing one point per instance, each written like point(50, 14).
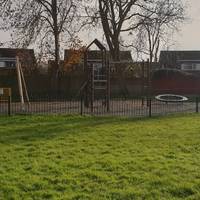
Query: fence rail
point(134, 107)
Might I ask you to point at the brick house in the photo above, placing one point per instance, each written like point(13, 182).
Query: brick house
point(182, 60)
point(26, 57)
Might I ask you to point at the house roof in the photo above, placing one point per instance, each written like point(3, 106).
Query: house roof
point(96, 54)
point(98, 44)
point(26, 57)
point(174, 57)
point(10, 52)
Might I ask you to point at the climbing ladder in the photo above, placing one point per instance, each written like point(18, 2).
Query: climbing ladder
point(97, 78)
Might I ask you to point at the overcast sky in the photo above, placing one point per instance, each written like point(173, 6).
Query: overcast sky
point(187, 39)
point(189, 36)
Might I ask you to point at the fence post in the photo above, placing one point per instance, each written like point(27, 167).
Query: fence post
point(9, 105)
point(81, 104)
point(197, 104)
point(149, 103)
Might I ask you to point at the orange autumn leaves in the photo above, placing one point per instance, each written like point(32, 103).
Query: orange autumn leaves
point(74, 55)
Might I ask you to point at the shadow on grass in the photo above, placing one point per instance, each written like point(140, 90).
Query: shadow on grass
point(44, 128)
point(21, 129)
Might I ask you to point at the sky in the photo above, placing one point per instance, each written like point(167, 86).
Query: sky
point(188, 38)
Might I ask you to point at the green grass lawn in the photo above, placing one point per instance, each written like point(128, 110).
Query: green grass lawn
point(73, 157)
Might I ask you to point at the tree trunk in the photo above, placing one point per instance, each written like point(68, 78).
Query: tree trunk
point(111, 38)
point(56, 32)
point(56, 76)
point(116, 51)
point(57, 50)
point(156, 51)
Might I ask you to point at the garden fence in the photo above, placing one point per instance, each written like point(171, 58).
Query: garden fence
point(128, 107)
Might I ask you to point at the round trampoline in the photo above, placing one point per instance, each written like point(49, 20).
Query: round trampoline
point(171, 98)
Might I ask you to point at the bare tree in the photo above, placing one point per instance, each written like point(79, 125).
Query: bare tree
point(117, 17)
point(146, 18)
point(46, 22)
point(165, 20)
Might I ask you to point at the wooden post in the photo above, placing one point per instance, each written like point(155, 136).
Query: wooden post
point(19, 79)
point(24, 84)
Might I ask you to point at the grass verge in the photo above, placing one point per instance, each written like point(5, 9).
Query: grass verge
point(74, 157)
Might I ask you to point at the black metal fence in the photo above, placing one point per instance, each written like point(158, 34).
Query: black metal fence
point(131, 107)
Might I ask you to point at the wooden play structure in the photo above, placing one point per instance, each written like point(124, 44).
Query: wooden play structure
point(15, 64)
point(97, 77)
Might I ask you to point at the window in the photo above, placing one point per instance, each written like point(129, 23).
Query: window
point(99, 72)
point(2, 64)
point(197, 66)
point(6, 63)
point(186, 66)
point(190, 66)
